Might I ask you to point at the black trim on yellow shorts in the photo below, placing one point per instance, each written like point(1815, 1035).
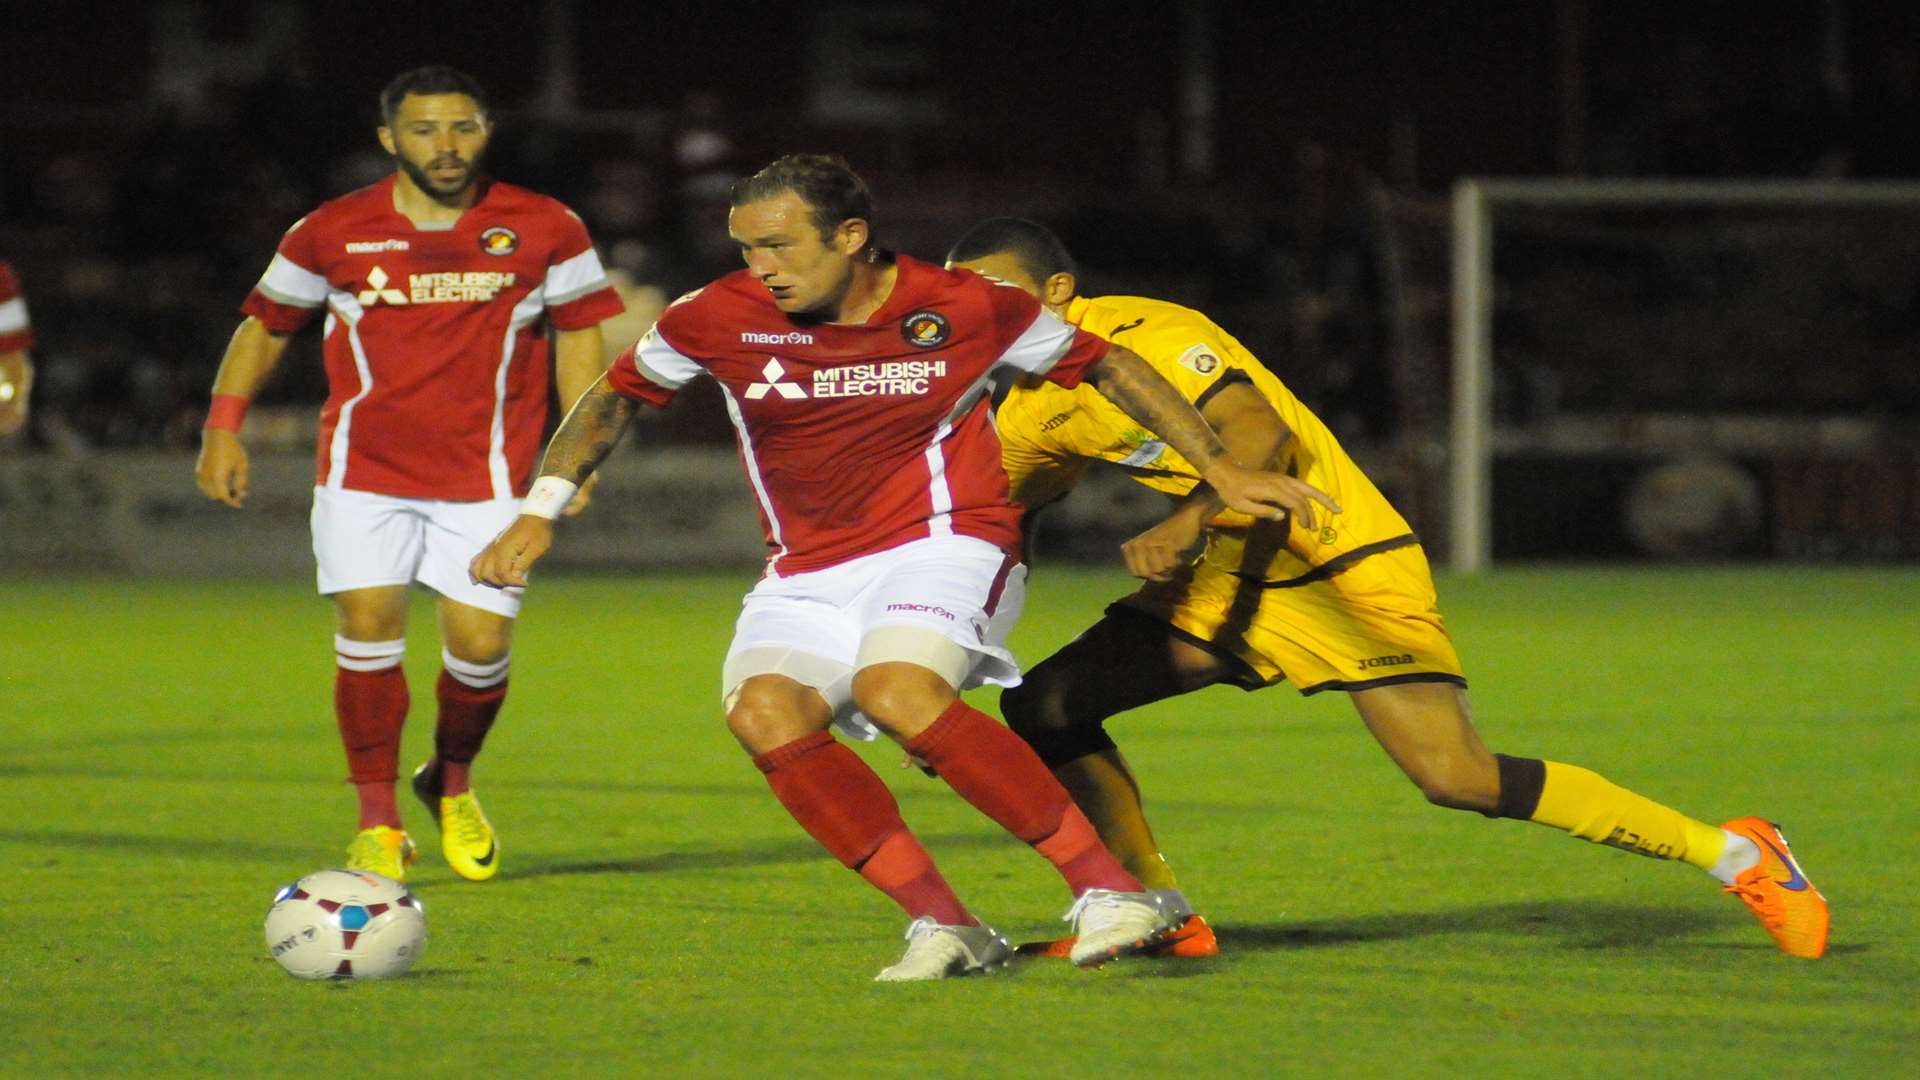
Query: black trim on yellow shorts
point(1240, 673)
point(1334, 565)
point(1390, 680)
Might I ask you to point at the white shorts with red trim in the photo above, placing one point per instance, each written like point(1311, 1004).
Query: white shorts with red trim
point(812, 627)
point(362, 540)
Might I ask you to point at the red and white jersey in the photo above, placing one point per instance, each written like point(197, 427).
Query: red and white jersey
point(437, 369)
point(16, 333)
point(859, 438)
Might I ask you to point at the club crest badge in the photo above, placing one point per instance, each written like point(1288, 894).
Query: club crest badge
point(925, 329)
point(499, 240)
point(1201, 360)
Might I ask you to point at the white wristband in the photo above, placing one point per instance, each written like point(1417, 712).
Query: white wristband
point(549, 496)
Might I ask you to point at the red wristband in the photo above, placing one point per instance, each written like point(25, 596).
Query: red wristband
point(227, 412)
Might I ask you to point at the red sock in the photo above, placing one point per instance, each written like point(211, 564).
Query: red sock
point(371, 707)
point(466, 715)
point(846, 807)
point(998, 773)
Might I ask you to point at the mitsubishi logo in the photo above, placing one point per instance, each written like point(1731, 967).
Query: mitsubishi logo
point(774, 372)
point(377, 290)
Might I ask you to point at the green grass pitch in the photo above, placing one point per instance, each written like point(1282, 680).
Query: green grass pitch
point(170, 759)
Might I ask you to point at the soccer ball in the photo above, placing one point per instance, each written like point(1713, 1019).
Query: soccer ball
point(346, 924)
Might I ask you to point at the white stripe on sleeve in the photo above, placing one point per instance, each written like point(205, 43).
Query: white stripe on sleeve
point(1041, 346)
point(571, 279)
point(661, 363)
point(287, 282)
point(13, 316)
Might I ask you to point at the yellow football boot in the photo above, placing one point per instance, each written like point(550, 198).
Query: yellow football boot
point(381, 850)
point(467, 839)
point(466, 836)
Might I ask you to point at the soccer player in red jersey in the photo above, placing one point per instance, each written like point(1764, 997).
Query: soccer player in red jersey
point(438, 285)
point(16, 366)
point(859, 385)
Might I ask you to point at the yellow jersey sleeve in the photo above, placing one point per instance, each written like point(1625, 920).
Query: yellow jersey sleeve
point(1050, 425)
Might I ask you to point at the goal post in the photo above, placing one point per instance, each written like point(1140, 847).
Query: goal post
point(1475, 216)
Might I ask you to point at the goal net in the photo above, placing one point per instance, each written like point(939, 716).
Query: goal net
point(1636, 368)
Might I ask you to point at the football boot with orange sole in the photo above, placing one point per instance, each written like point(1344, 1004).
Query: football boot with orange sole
point(1778, 893)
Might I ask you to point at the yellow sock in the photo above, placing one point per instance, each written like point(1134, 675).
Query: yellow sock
point(1591, 807)
point(1105, 790)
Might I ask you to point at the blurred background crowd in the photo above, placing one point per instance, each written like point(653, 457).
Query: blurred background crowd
point(1268, 166)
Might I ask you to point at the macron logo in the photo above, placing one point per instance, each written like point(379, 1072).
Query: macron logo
point(792, 337)
point(773, 373)
point(929, 609)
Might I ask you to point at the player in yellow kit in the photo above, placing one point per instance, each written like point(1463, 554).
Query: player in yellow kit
point(1346, 605)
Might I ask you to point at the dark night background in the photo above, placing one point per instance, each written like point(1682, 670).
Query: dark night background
point(1285, 167)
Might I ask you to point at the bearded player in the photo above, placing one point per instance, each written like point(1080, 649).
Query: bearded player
point(438, 285)
point(859, 385)
point(1346, 605)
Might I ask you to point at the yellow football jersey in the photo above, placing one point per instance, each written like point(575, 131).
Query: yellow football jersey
point(1048, 433)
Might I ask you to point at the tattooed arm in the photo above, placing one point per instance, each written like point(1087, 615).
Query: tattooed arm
point(588, 433)
point(584, 440)
point(1128, 381)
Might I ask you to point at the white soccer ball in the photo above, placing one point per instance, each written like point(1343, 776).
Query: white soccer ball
point(346, 924)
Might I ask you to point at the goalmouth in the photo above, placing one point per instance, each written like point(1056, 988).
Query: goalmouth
point(1477, 206)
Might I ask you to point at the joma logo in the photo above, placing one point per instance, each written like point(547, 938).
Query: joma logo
point(1386, 661)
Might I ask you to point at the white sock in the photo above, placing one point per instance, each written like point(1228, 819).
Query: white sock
point(1741, 854)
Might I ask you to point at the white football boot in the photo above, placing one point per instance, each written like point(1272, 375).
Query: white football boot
point(1109, 924)
point(938, 951)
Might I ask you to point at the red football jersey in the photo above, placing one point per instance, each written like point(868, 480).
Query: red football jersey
point(16, 333)
point(858, 438)
point(437, 370)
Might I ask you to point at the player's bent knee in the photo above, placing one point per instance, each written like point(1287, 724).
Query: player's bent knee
point(769, 712)
point(901, 699)
point(1026, 711)
point(1459, 789)
point(1035, 713)
point(480, 649)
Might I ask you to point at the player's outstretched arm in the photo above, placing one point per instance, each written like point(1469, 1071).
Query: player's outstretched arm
point(584, 440)
point(1128, 381)
point(252, 354)
point(1251, 431)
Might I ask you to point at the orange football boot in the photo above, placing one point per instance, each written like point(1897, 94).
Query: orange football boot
point(1778, 894)
point(1194, 938)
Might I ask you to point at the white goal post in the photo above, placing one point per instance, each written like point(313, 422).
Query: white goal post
point(1475, 201)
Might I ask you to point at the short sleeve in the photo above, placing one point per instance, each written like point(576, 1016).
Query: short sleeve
point(293, 287)
point(578, 294)
point(631, 382)
point(652, 369)
point(1195, 358)
point(1037, 341)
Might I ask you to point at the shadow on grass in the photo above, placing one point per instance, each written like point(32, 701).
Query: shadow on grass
point(1579, 924)
point(769, 854)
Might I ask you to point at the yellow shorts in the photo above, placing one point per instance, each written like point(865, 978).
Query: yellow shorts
point(1374, 623)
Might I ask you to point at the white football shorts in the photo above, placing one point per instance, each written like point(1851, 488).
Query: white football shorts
point(819, 627)
point(362, 540)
